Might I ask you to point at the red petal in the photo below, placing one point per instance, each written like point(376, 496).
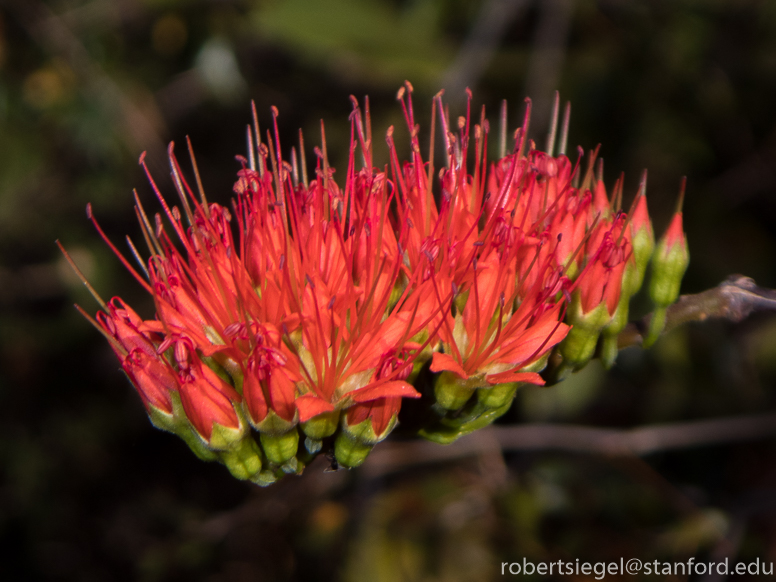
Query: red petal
point(396, 388)
point(310, 405)
point(281, 393)
point(675, 233)
point(204, 406)
point(381, 411)
point(442, 362)
point(254, 397)
point(515, 376)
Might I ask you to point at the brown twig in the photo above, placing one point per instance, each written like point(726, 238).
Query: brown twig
point(734, 299)
point(394, 456)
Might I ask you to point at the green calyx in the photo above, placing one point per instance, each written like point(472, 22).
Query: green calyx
point(273, 424)
point(322, 425)
point(609, 348)
point(243, 460)
point(364, 432)
point(489, 403)
point(350, 452)
point(177, 423)
point(668, 268)
point(498, 395)
point(448, 431)
point(280, 448)
point(579, 345)
point(643, 243)
point(452, 392)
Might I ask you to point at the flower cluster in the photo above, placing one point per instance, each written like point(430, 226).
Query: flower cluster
point(298, 321)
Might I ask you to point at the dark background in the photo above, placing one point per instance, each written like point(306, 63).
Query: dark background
point(90, 491)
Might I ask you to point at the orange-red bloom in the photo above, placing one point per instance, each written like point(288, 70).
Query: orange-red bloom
point(310, 307)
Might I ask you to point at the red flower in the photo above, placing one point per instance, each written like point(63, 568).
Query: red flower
point(316, 305)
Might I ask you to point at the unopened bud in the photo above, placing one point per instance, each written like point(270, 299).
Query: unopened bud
point(498, 395)
point(280, 448)
point(447, 430)
point(244, 460)
point(669, 264)
point(643, 242)
point(321, 426)
point(349, 452)
point(579, 345)
point(452, 391)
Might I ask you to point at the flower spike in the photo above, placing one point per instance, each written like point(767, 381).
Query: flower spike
point(305, 317)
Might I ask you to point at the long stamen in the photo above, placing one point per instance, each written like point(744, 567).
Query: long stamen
point(551, 134)
point(81, 276)
point(564, 132)
point(126, 264)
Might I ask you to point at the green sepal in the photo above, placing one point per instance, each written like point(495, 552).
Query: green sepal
point(364, 432)
point(273, 424)
point(243, 460)
point(609, 348)
point(643, 243)
point(197, 445)
point(349, 452)
point(620, 318)
point(322, 425)
point(538, 365)
point(579, 345)
point(280, 448)
point(444, 435)
point(596, 318)
point(292, 467)
point(163, 420)
point(657, 324)
point(177, 423)
point(313, 446)
point(224, 438)
point(668, 268)
point(264, 478)
point(452, 392)
point(422, 358)
point(498, 395)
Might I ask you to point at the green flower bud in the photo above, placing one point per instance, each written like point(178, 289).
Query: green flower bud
point(280, 448)
point(452, 392)
point(643, 243)
point(243, 460)
point(609, 348)
point(497, 396)
point(444, 434)
point(669, 264)
point(364, 432)
point(177, 423)
point(579, 345)
point(322, 425)
point(274, 424)
point(349, 452)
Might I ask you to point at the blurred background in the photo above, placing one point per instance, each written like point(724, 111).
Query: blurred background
point(90, 491)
